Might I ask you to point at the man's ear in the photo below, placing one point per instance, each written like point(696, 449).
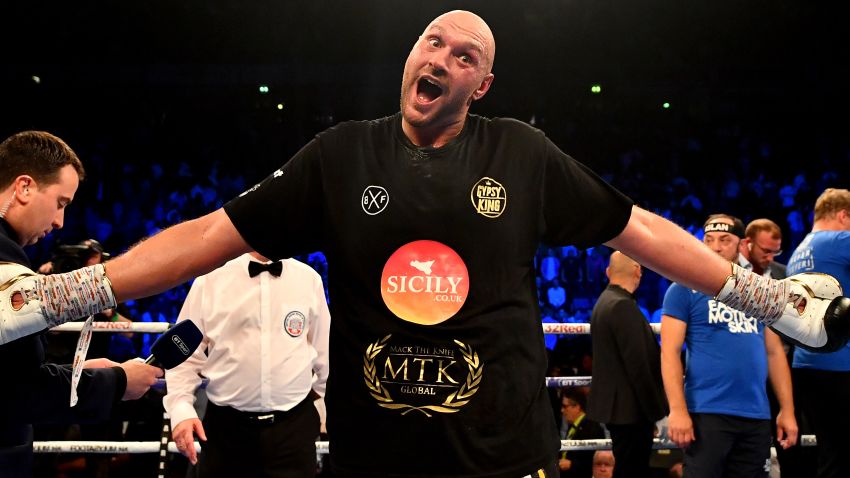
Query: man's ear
point(23, 184)
point(483, 87)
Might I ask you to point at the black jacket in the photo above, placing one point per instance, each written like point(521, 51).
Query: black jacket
point(38, 393)
point(627, 386)
point(582, 460)
point(777, 270)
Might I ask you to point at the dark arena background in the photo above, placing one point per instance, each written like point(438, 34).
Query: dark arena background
point(690, 108)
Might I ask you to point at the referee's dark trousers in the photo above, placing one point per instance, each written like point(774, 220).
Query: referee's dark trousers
point(256, 444)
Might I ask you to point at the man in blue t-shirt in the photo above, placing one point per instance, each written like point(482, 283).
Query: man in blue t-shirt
point(823, 379)
point(720, 413)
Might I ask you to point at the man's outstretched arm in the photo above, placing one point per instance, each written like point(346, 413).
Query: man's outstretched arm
point(671, 251)
point(30, 303)
point(175, 255)
point(807, 308)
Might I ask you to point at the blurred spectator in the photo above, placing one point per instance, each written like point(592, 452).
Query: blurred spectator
point(550, 265)
point(603, 464)
point(556, 295)
point(572, 270)
point(597, 259)
point(676, 471)
point(576, 426)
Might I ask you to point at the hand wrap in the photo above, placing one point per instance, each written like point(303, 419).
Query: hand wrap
point(754, 295)
point(807, 309)
point(50, 300)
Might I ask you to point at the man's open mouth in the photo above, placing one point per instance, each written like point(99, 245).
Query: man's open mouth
point(427, 91)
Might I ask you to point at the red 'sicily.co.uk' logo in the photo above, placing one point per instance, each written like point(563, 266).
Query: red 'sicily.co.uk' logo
point(425, 282)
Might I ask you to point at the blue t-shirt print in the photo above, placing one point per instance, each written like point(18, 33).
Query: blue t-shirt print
point(726, 360)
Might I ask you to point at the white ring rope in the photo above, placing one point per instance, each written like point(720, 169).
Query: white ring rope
point(107, 447)
point(551, 382)
point(570, 328)
point(658, 444)
point(101, 447)
point(558, 382)
point(160, 327)
point(120, 326)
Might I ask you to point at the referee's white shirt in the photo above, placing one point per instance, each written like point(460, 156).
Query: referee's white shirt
point(265, 338)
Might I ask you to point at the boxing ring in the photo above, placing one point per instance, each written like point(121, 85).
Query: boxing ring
point(165, 445)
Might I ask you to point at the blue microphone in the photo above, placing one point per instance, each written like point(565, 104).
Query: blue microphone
point(175, 345)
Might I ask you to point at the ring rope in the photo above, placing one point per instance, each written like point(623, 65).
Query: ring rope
point(143, 327)
point(558, 382)
point(551, 382)
point(658, 444)
point(579, 328)
point(558, 328)
point(107, 447)
point(104, 447)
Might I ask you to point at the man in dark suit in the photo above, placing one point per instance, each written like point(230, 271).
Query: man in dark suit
point(39, 175)
point(576, 426)
point(627, 392)
point(762, 243)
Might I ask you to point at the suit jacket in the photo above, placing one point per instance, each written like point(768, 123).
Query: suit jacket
point(777, 270)
point(582, 460)
point(36, 392)
point(627, 386)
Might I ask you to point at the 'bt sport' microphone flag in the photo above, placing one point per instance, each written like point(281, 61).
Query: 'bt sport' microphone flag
point(175, 345)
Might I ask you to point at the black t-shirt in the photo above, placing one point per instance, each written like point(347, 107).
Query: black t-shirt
point(441, 236)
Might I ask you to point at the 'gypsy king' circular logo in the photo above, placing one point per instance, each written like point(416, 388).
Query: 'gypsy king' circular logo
point(425, 282)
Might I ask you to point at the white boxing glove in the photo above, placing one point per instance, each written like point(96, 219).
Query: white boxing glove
point(816, 316)
point(807, 309)
point(49, 300)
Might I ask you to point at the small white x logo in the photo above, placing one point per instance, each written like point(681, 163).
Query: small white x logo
point(374, 200)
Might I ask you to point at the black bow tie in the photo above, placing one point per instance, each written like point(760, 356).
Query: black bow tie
point(273, 268)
